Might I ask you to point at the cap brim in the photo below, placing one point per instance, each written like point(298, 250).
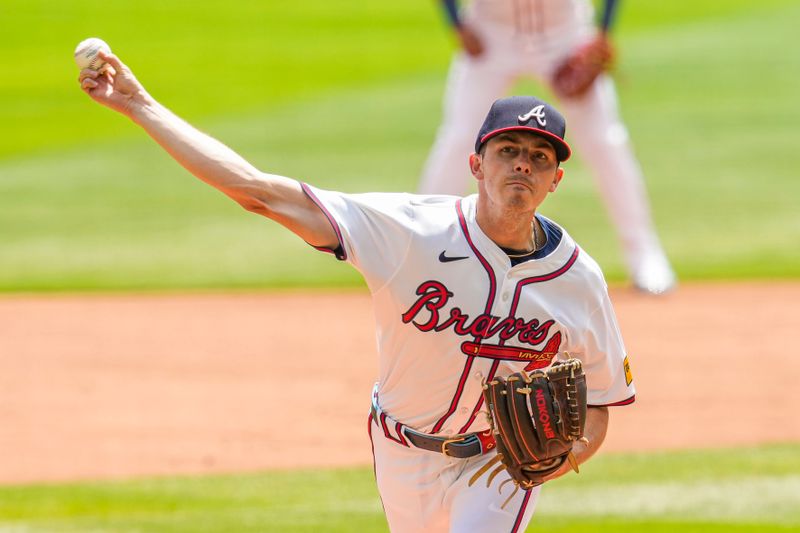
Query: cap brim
point(563, 151)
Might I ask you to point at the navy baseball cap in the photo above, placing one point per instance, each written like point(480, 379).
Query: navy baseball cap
point(525, 113)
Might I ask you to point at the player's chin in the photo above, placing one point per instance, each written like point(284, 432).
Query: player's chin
point(520, 200)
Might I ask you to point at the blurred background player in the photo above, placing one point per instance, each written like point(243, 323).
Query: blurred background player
point(504, 40)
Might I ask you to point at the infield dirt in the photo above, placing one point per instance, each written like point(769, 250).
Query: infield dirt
point(123, 386)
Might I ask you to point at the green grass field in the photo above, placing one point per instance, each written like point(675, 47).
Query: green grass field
point(746, 490)
point(346, 95)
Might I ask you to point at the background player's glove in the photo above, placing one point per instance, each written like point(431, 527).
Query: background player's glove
point(535, 420)
point(471, 42)
point(577, 73)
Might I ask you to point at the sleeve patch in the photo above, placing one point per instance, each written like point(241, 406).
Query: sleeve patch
point(627, 367)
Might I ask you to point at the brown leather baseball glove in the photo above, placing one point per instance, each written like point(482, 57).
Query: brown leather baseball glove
point(577, 73)
point(535, 420)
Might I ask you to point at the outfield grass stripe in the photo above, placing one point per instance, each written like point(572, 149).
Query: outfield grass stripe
point(748, 490)
point(243, 54)
point(770, 499)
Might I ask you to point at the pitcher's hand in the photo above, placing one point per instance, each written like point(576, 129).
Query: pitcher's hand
point(114, 86)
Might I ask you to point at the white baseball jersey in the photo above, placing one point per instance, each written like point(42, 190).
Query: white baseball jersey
point(528, 16)
point(451, 312)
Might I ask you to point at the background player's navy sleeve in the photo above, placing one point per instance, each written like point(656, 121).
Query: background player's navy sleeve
point(607, 17)
point(451, 9)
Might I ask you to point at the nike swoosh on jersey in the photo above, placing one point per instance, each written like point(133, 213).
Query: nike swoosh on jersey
point(445, 259)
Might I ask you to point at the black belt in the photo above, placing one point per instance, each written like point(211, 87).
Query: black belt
point(460, 447)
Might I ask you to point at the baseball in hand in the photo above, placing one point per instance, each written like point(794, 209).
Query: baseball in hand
point(86, 53)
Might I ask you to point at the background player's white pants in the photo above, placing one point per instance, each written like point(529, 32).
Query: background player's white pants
point(594, 130)
point(424, 491)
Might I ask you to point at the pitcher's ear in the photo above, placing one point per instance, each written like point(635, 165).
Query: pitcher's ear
point(557, 179)
point(476, 165)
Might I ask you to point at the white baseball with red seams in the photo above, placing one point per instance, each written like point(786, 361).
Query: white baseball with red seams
point(86, 53)
point(451, 312)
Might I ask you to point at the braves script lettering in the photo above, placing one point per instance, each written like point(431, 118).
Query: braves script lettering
point(433, 296)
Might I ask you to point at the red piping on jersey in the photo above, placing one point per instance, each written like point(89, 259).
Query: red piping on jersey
point(521, 512)
point(370, 420)
point(334, 224)
point(616, 404)
point(512, 312)
point(547, 277)
point(489, 302)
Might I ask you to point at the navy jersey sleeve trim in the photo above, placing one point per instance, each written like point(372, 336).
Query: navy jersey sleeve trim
point(616, 404)
point(339, 251)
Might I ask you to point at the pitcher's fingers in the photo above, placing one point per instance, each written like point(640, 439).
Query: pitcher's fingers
point(111, 59)
point(88, 84)
point(88, 73)
point(109, 72)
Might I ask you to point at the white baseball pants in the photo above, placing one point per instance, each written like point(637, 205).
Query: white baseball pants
point(424, 491)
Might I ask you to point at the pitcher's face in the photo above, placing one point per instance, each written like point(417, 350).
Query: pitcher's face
point(516, 170)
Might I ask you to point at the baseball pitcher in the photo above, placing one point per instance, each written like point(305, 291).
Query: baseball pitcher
point(499, 353)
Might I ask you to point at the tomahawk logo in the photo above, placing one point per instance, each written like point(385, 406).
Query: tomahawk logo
point(537, 112)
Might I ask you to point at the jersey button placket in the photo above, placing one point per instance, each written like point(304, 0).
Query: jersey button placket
point(506, 289)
